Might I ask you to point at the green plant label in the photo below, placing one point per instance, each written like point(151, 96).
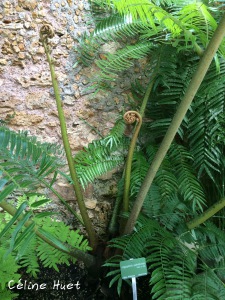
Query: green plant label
point(133, 268)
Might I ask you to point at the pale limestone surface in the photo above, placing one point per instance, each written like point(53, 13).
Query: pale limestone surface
point(26, 95)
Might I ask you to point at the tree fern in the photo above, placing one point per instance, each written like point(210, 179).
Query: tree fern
point(177, 32)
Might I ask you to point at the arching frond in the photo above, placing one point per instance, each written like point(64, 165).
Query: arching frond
point(207, 285)
point(95, 160)
point(139, 170)
point(189, 186)
point(161, 250)
point(28, 250)
point(203, 122)
point(171, 83)
point(122, 59)
point(192, 23)
point(25, 162)
point(115, 138)
point(118, 27)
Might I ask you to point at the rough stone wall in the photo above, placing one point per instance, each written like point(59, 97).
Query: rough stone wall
point(26, 94)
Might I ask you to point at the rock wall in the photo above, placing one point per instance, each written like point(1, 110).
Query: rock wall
point(26, 95)
point(25, 85)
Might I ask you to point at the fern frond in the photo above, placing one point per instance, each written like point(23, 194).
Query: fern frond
point(122, 59)
point(202, 122)
point(96, 160)
point(207, 285)
point(8, 270)
point(25, 162)
point(87, 49)
point(166, 181)
point(139, 170)
point(50, 256)
point(211, 246)
point(118, 27)
point(161, 250)
point(116, 135)
point(189, 186)
point(190, 24)
point(27, 256)
point(172, 214)
point(171, 82)
point(152, 204)
point(169, 280)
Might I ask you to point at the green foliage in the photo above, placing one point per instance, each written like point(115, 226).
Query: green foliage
point(142, 27)
point(189, 186)
point(172, 259)
point(49, 256)
point(122, 60)
point(25, 162)
point(202, 122)
point(9, 268)
point(22, 248)
point(7, 295)
point(96, 160)
point(102, 155)
point(8, 271)
point(183, 264)
point(173, 34)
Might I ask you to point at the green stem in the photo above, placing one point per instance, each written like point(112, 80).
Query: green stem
point(87, 222)
point(211, 211)
point(86, 258)
point(191, 91)
point(146, 97)
point(129, 160)
point(132, 146)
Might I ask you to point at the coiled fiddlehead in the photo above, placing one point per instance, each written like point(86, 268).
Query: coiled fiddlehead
point(46, 32)
point(130, 117)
